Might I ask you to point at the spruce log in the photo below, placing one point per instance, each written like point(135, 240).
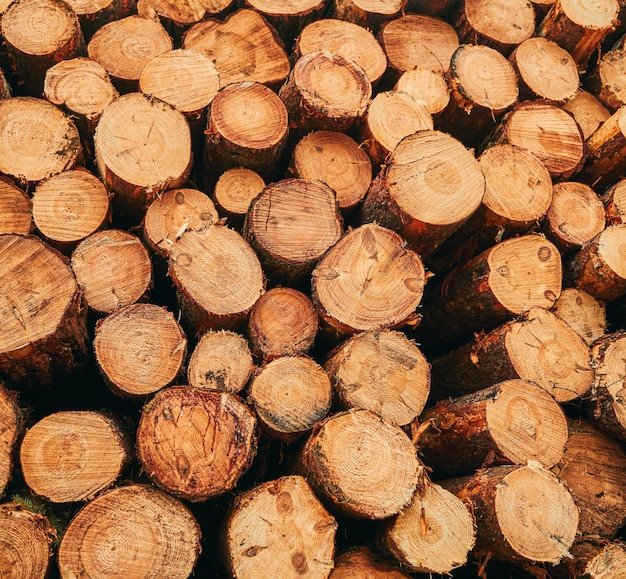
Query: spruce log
point(588, 111)
point(196, 443)
point(369, 14)
point(362, 562)
point(234, 191)
point(93, 14)
point(15, 208)
point(134, 530)
point(12, 420)
point(614, 199)
point(428, 87)
point(582, 312)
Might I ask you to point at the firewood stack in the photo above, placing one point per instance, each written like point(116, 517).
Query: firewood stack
point(312, 288)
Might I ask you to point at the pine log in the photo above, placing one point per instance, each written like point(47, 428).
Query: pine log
point(74, 455)
point(349, 40)
point(220, 361)
point(134, 530)
point(382, 371)
point(139, 349)
point(511, 422)
point(234, 191)
point(290, 395)
point(370, 14)
point(36, 140)
point(607, 79)
point(196, 443)
point(587, 111)
point(582, 312)
point(93, 14)
point(244, 47)
point(12, 419)
point(291, 224)
point(218, 278)
point(523, 513)
point(15, 208)
point(283, 322)
point(428, 187)
point(614, 199)
point(279, 529)
point(336, 160)
point(428, 87)
point(360, 465)
point(69, 207)
point(43, 334)
point(362, 562)
point(367, 281)
point(540, 348)
point(113, 268)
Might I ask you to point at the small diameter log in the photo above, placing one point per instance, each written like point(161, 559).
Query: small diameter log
point(283, 322)
point(361, 465)
point(247, 126)
point(336, 160)
point(143, 147)
point(290, 395)
point(582, 312)
point(349, 40)
point(43, 334)
point(93, 14)
point(260, 521)
point(196, 443)
point(367, 281)
point(69, 207)
point(74, 455)
point(134, 530)
point(291, 224)
point(362, 562)
point(218, 278)
point(179, 15)
point(124, 47)
point(545, 71)
point(36, 140)
point(580, 27)
point(367, 13)
point(234, 191)
point(325, 91)
point(244, 47)
point(113, 269)
point(609, 561)
point(12, 420)
point(382, 371)
point(494, 24)
point(606, 81)
point(599, 267)
point(588, 111)
point(38, 34)
point(27, 539)
point(523, 513)
point(391, 116)
point(614, 199)
point(540, 348)
point(511, 422)
point(428, 187)
point(220, 361)
point(139, 350)
point(428, 87)
point(15, 208)
point(575, 216)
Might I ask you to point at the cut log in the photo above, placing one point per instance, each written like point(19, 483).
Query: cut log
point(336, 160)
point(218, 278)
point(511, 422)
point(13, 423)
point(349, 40)
point(113, 268)
point(196, 443)
point(15, 209)
point(234, 191)
point(523, 513)
point(609, 561)
point(381, 371)
point(428, 187)
point(177, 15)
point(439, 8)
point(36, 140)
point(587, 111)
point(291, 224)
point(5, 87)
point(74, 455)
point(139, 349)
point(362, 562)
point(428, 87)
point(607, 79)
point(69, 207)
point(93, 14)
point(263, 517)
point(361, 465)
point(290, 395)
point(582, 312)
point(244, 47)
point(38, 34)
point(220, 361)
point(135, 530)
point(540, 348)
point(614, 199)
point(367, 281)
point(283, 322)
point(43, 334)
point(369, 14)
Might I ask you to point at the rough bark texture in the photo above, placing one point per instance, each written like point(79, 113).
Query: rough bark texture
point(13, 424)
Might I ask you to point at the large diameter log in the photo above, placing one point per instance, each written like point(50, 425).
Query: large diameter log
point(262, 518)
point(361, 465)
point(12, 419)
point(135, 530)
point(511, 422)
point(582, 312)
point(523, 513)
point(15, 208)
point(43, 334)
point(196, 443)
point(74, 455)
point(429, 87)
point(367, 281)
point(428, 187)
point(588, 112)
point(362, 562)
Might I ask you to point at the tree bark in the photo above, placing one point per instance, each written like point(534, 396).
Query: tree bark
point(606, 80)
point(13, 424)
point(582, 312)
point(234, 191)
point(587, 111)
point(428, 87)
point(614, 199)
point(15, 209)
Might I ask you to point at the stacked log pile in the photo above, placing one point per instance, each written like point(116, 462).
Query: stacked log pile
point(321, 288)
